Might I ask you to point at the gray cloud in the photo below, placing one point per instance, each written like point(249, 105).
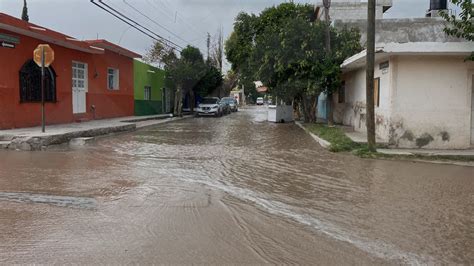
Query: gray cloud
point(189, 19)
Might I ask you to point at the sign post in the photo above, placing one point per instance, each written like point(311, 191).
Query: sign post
point(43, 56)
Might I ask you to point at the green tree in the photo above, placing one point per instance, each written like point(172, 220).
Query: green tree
point(24, 13)
point(239, 48)
point(209, 82)
point(462, 26)
point(185, 73)
point(285, 49)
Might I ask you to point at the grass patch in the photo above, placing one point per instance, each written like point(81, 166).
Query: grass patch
point(336, 136)
point(341, 143)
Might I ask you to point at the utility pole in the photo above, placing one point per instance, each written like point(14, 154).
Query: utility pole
point(24, 14)
point(370, 76)
point(327, 6)
point(208, 42)
point(327, 18)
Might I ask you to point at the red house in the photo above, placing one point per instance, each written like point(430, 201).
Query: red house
point(87, 80)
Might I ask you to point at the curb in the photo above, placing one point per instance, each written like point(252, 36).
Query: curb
point(38, 143)
point(324, 143)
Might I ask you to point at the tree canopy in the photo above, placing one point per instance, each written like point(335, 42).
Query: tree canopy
point(187, 74)
point(462, 26)
point(286, 49)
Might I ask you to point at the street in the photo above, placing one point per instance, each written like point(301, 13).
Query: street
point(235, 189)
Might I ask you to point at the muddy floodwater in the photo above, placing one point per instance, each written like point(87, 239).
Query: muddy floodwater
point(229, 190)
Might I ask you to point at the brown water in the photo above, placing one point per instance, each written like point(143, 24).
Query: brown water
point(230, 190)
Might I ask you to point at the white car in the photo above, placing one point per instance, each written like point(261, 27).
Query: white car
point(260, 101)
point(210, 106)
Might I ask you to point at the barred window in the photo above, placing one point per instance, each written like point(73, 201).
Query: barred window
point(147, 93)
point(30, 83)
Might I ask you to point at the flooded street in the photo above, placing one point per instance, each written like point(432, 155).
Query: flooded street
point(229, 190)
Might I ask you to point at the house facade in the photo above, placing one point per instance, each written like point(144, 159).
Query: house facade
point(423, 95)
point(87, 80)
point(151, 96)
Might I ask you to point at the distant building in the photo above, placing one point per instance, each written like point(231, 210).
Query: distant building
point(151, 96)
point(87, 80)
point(351, 9)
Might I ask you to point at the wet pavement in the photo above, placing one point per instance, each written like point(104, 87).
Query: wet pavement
point(229, 190)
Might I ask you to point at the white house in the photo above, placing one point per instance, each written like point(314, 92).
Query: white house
point(423, 94)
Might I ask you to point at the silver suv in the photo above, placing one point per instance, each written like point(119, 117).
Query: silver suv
point(210, 107)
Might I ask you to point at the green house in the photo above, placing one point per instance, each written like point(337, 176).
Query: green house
point(149, 89)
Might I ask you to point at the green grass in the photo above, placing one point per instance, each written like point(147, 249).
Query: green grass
point(341, 143)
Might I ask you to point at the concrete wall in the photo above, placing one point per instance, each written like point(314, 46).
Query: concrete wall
point(431, 102)
point(353, 111)
point(425, 102)
point(402, 30)
point(354, 9)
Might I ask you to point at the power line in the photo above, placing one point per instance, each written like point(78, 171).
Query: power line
point(123, 15)
point(170, 8)
point(136, 25)
point(154, 21)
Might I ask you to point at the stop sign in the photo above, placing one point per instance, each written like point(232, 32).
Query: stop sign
point(48, 55)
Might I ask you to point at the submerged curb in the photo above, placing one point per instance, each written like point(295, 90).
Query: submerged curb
point(37, 143)
point(324, 143)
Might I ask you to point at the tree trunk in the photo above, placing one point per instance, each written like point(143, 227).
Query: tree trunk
point(370, 76)
point(296, 108)
point(313, 108)
point(192, 101)
point(330, 109)
point(178, 99)
point(309, 108)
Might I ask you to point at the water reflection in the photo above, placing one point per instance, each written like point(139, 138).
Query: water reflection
point(211, 171)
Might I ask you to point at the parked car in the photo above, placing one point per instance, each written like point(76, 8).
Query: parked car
point(232, 103)
point(210, 107)
point(225, 107)
point(260, 101)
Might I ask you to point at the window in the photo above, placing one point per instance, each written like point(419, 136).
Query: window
point(112, 79)
point(30, 83)
point(79, 76)
point(377, 92)
point(147, 93)
point(342, 93)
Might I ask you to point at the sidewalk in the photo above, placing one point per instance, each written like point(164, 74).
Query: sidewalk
point(343, 139)
point(33, 139)
point(434, 153)
point(361, 137)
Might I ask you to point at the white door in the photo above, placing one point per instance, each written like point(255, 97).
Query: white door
point(79, 87)
point(472, 110)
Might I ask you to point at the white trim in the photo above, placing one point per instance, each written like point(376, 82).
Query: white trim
point(86, 74)
point(412, 48)
point(116, 79)
point(37, 28)
point(97, 48)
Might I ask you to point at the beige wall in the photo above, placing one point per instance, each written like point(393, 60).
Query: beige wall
point(432, 102)
point(353, 111)
point(425, 102)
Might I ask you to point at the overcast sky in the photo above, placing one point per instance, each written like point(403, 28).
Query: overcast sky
point(190, 20)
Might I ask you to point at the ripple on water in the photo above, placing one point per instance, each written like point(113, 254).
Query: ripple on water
point(61, 201)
